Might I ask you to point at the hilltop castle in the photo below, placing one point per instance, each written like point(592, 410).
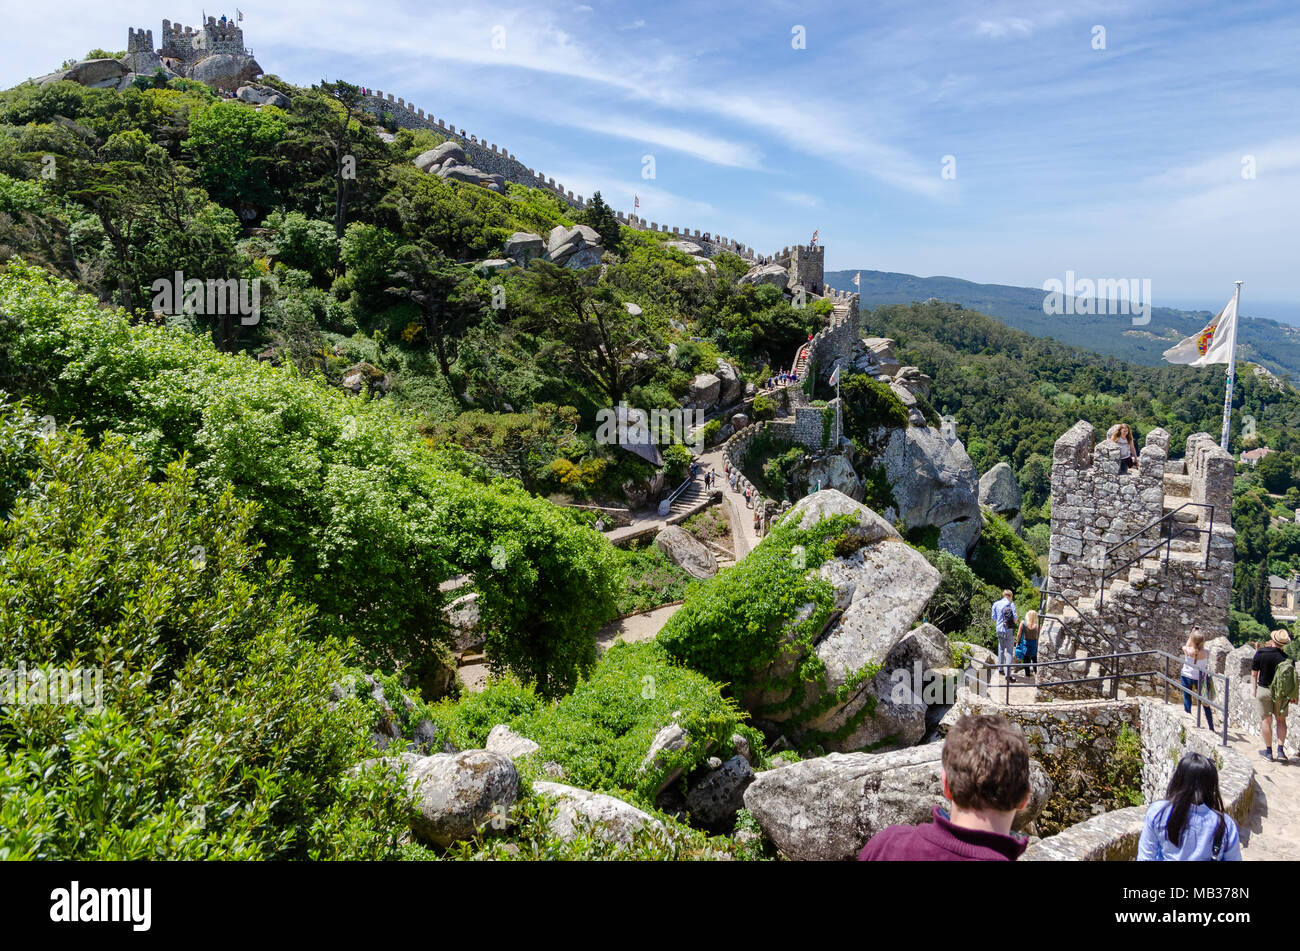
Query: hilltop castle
point(213, 54)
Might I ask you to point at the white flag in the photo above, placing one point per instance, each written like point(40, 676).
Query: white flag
point(857, 279)
point(1211, 345)
point(835, 377)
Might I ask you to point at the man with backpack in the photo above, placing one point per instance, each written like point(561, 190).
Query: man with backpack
point(1274, 677)
point(1005, 620)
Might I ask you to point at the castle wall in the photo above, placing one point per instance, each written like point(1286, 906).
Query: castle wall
point(490, 158)
point(1094, 508)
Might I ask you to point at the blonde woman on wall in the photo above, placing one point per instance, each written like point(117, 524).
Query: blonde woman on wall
point(1195, 672)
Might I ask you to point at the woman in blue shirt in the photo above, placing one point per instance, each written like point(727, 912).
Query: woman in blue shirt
point(1189, 824)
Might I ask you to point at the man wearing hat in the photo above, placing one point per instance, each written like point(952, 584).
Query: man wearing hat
point(1262, 670)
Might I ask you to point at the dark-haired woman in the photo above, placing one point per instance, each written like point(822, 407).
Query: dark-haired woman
point(1189, 824)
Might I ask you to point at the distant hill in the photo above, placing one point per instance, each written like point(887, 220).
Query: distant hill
point(1260, 340)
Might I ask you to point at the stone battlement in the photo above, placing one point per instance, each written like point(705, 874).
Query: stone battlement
point(1153, 601)
point(494, 159)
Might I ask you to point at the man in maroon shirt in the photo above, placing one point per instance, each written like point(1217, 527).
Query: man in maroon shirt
point(986, 777)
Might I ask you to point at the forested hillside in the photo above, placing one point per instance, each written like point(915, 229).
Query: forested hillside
point(1267, 342)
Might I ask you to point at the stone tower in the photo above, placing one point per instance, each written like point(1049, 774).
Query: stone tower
point(141, 57)
point(806, 267)
point(1118, 600)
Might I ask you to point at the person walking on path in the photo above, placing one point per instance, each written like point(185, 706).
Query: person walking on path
point(1196, 672)
point(1005, 619)
point(1189, 824)
point(1263, 669)
point(1028, 636)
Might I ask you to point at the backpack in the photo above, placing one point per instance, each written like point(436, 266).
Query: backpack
point(1285, 687)
point(1007, 617)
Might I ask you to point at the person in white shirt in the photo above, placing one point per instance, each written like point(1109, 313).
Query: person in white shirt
point(1195, 672)
point(1127, 448)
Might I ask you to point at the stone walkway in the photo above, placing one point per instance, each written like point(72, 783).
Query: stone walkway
point(1272, 831)
point(740, 516)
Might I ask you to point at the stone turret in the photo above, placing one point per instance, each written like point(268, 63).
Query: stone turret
point(806, 267)
point(1139, 599)
point(141, 58)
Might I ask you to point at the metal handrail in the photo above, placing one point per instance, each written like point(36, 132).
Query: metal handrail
point(1044, 616)
point(1166, 541)
point(1114, 678)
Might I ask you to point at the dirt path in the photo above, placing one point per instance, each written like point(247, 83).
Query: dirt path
point(634, 627)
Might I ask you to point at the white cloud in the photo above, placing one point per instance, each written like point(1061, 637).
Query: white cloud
point(996, 29)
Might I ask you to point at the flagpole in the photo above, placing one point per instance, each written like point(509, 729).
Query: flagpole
point(1232, 368)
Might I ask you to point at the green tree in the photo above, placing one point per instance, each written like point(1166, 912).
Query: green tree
point(601, 217)
point(518, 445)
point(597, 336)
point(232, 145)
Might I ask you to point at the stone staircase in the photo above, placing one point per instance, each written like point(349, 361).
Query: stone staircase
point(1078, 627)
point(693, 496)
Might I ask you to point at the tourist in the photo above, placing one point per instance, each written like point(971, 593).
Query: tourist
point(1004, 621)
point(758, 520)
point(1027, 635)
point(1196, 672)
point(1189, 824)
point(1263, 668)
point(1127, 447)
point(985, 776)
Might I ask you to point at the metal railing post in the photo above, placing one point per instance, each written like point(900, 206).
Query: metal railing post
point(1166, 678)
point(1226, 696)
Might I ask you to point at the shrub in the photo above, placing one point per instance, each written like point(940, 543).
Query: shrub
point(600, 733)
point(216, 737)
point(733, 626)
point(372, 519)
point(651, 579)
point(869, 405)
point(677, 462)
point(764, 406)
point(1001, 558)
point(949, 608)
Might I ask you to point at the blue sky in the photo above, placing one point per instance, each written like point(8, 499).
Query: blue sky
point(1117, 162)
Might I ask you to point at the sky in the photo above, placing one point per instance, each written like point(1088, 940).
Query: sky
point(1000, 142)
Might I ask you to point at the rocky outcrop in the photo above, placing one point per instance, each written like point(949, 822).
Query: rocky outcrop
point(686, 551)
point(261, 95)
point(730, 386)
point(523, 246)
point(578, 811)
point(774, 274)
point(1001, 493)
point(96, 73)
point(575, 248)
point(504, 740)
point(365, 376)
point(436, 157)
point(881, 585)
point(715, 798)
point(704, 391)
point(934, 483)
point(828, 808)
point(833, 472)
point(876, 358)
point(226, 71)
point(456, 794)
point(467, 173)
